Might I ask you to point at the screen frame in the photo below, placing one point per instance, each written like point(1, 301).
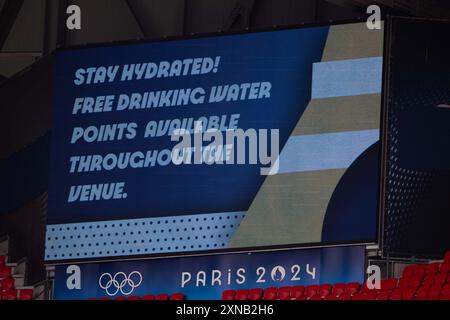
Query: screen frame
point(249, 250)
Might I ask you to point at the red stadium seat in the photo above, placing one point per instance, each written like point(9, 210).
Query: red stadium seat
point(440, 278)
point(447, 257)
point(410, 282)
point(397, 294)
point(403, 283)
point(432, 268)
point(177, 296)
point(434, 279)
point(415, 282)
point(119, 299)
point(365, 288)
point(419, 270)
point(228, 294)
point(428, 281)
point(106, 299)
point(134, 298)
point(422, 294)
point(270, 294)
point(324, 290)
point(2, 261)
point(241, 294)
point(330, 297)
point(358, 296)
point(445, 290)
point(445, 297)
point(7, 284)
point(148, 297)
point(162, 297)
point(383, 295)
point(445, 268)
point(435, 290)
point(297, 292)
point(408, 271)
point(284, 293)
point(5, 272)
point(338, 289)
point(414, 270)
point(409, 294)
point(372, 295)
point(255, 294)
point(345, 297)
point(26, 294)
point(431, 293)
point(388, 284)
point(9, 295)
point(316, 297)
point(310, 291)
point(352, 288)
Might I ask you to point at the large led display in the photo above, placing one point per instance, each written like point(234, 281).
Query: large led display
point(306, 103)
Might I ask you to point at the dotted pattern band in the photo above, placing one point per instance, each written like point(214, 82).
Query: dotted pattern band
point(141, 236)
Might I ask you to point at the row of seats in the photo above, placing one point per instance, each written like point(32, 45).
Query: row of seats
point(5, 272)
point(340, 291)
point(292, 293)
point(26, 294)
point(424, 282)
point(7, 284)
point(149, 297)
point(418, 282)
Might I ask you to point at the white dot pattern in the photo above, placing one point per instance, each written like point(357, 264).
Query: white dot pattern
point(141, 236)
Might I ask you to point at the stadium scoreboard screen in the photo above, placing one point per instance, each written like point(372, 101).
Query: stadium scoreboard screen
point(231, 142)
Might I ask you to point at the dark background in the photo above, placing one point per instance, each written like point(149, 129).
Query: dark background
point(418, 151)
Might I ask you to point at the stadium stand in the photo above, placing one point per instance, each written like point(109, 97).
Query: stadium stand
point(418, 282)
point(11, 286)
point(12, 277)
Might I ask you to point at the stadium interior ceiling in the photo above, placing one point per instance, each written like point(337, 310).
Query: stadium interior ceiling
point(30, 29)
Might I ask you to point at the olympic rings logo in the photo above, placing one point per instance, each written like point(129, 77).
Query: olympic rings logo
point(120, 282)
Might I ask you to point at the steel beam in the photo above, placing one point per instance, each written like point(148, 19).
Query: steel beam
point(136, 18)
point(8, 16)
point(242, 10)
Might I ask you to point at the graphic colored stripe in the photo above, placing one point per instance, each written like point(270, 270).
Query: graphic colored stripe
point(289, 208)
point(340, 114)
point(353, 41)
point(325, 151)
point(347, 77)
